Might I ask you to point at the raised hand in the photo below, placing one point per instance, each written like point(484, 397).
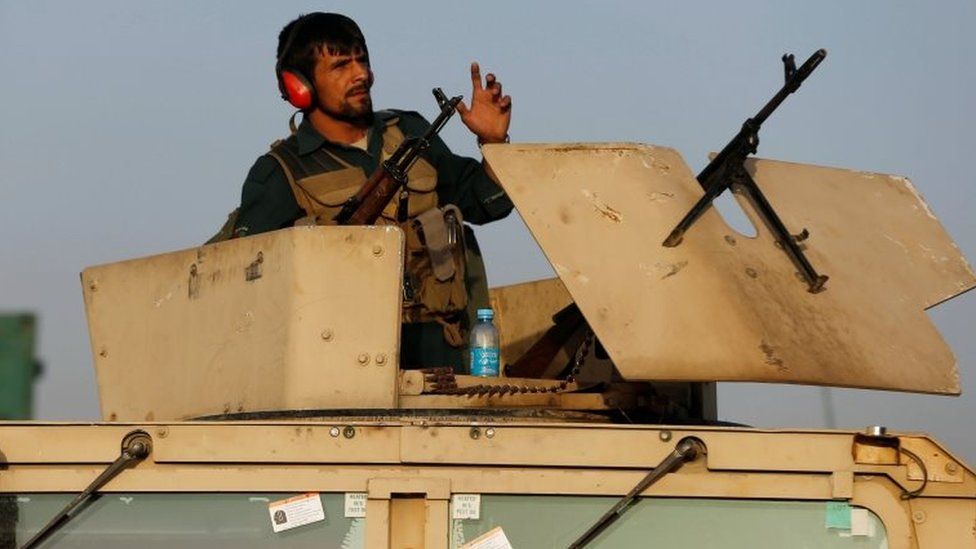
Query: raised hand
point(490, 112)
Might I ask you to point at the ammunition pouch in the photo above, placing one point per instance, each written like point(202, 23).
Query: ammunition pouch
point(435, 271)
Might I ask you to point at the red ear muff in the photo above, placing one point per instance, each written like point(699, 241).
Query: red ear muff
point(296, 89)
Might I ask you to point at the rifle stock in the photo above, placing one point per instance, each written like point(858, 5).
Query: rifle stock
point(372, 198)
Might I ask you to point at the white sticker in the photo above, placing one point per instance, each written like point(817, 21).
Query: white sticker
point(861, 524)
point(355, 505)
point(296, 511)
point(466, 506)
point(492, 539)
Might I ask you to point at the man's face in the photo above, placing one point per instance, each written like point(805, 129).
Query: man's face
point(342, 82)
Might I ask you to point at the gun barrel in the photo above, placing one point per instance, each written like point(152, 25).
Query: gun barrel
point(804, 71)
point(792, 84)
point(367, 204)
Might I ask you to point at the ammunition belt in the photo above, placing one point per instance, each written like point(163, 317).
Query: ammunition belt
point(444, 382)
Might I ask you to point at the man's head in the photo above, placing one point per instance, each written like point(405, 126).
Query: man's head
point(329, 51)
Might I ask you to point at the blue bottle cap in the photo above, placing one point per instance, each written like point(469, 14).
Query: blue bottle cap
point(485, 314)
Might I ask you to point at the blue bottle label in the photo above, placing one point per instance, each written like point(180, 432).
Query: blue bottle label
point(484, 361)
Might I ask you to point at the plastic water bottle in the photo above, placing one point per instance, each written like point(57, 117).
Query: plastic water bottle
point(484, 346)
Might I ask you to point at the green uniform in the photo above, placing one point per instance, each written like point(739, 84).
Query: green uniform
point(268, 203)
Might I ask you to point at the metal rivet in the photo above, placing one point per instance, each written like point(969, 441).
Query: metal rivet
point(918, 517)
point(490, 432)
point(951, 468)
point(664, 435)
point(349, 431)
point(380, 359)
point(475, 433)
point(334, 432)
point(162, 432)
point(327, 335)
point(876, 431)
point(363, 359)
point(377, 250)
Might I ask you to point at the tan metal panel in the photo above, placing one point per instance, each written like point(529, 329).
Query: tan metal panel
point(506, 480)
point(298, 443)
point(436, 523)
point(731, 450)
point(725, 307)
point(61, 443)
point(301, 318)
point(890, 237)
point(740, 451)
point(378, 525)
point(407, 523)
point(884, 500)
point(944, 522)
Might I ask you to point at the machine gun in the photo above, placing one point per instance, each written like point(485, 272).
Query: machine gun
point(727, 170)
point(391, 176)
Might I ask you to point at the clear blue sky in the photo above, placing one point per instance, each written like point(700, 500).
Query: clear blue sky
point(126, 129)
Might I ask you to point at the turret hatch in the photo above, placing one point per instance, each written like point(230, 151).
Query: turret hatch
point(722, 306)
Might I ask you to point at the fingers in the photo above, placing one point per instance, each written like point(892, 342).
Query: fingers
point(476, 76)
point(461, 109)
point(491, 85)
point(494, 86)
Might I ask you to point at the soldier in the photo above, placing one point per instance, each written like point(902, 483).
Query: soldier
point(323, 69)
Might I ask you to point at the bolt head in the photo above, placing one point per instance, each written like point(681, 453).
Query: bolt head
point(327, 334)
point(951, 468)
point(475, 433)
point(490, 432)
point(377, 250)
point(334, 432)
point(665, 436)
point(349, 431)
point(380, 359)
point(876, 431)
point(363, 359)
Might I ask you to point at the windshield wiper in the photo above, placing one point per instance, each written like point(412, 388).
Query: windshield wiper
point(688, 449)
point(136, 446)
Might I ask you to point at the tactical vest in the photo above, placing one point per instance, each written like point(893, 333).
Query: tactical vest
point(434, 260)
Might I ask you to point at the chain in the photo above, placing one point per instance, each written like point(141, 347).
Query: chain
point(445, 383)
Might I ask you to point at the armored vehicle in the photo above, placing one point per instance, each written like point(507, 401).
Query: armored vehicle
point(251, 392)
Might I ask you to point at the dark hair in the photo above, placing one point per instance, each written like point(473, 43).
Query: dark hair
point(315, 33)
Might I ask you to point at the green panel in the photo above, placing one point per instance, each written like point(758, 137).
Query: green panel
point(18, 368)
point(557, 521)
point(167, 520)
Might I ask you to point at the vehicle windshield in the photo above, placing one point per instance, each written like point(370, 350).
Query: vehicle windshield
point(149, 520)
point(556, 521)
